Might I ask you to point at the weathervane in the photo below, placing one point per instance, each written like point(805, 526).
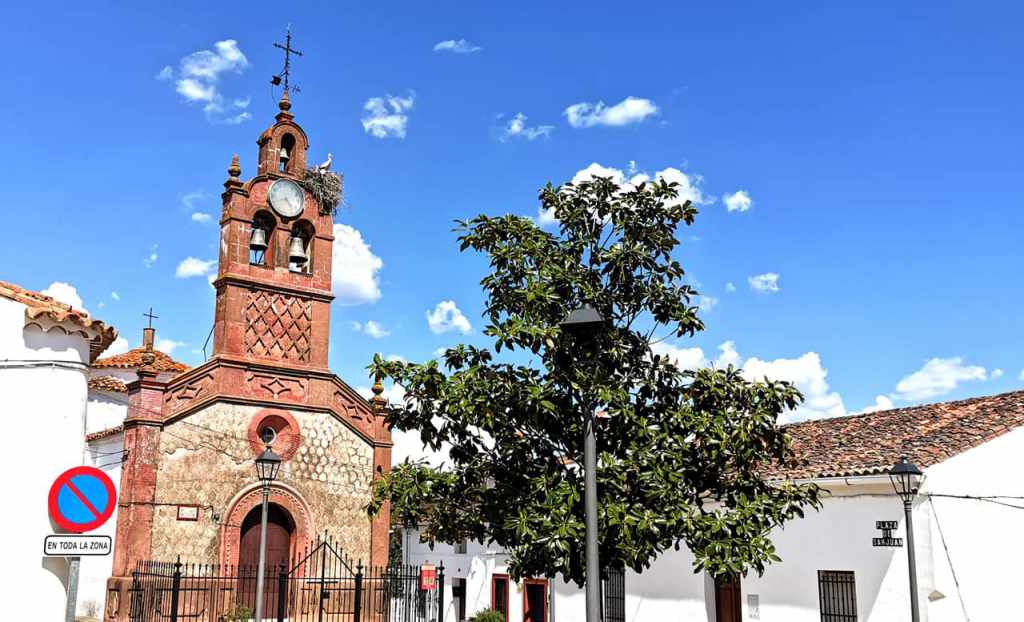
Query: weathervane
point(288, 51)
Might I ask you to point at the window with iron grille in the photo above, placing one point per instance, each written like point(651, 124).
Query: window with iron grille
point(613, 587)
point(837, 594)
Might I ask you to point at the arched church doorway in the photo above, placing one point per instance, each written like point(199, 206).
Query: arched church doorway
point(280, 528)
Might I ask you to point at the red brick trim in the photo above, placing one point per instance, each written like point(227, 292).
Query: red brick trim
point(286, 497)
point(289, 436)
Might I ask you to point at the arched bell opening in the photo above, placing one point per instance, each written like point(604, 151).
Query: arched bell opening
point(261, 238)
point(300, 247)
point(286, 154)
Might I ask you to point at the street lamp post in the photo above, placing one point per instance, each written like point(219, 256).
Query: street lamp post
point(584, 323)
point(267, 465)
point(906, 480)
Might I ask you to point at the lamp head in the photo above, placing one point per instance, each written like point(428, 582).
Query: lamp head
point(906, 479)
point(583, 322)
point(268, 464)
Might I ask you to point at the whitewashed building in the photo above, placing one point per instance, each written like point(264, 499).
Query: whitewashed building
point(46, 348)
point(968, 521)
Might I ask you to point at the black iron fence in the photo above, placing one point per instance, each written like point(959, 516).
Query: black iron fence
point(323, 585)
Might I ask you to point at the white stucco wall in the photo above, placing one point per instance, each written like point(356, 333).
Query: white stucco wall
point(985, 539)
point(93, 572)
point(46, 406)
point(105, 410)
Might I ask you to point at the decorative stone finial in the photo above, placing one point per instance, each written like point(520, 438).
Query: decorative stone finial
point(235, 170)
point(286, 103)
point(378, 401)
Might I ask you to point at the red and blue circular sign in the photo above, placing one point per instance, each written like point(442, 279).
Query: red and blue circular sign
point(82, 499)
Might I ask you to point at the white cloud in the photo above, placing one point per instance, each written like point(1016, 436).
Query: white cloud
point(190, 199)
point(738, 201)
point(354, 271)
point(1021, 377)
point(882, 402)
point(396, 357)
point(191, 266)
point(805, 372)
point(688, 186)
point(151, 258)
point(767, 283)
point(371, 328)
point(706, 303)
point(938, 376)
point(115, 295)
point(66, 293)
point(729, 287)
point(120, 346)
point(517, 128)
point(199, 75)
point(683, 358)
point(167, 346)
point(447, 317)
point(201, 217)
point(629, 110)
point(238, 118)
point(996, 373)
point(460, 46)
point(440, 352)
point(386, 116)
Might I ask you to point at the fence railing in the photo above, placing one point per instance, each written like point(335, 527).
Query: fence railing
point(321, 588)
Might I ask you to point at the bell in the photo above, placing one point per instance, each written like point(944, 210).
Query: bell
point(283, 154)
point(258, 239)
point(297, 250)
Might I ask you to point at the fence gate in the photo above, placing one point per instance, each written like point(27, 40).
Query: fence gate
point(321, 585)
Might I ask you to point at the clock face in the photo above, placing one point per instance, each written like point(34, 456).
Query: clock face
point(287, 198)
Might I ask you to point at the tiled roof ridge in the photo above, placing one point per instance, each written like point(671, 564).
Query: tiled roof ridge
point(869, 443)
point(108, 383)
point(37, 304)
point(133, 358)
point(862, 415)
point(95, 436)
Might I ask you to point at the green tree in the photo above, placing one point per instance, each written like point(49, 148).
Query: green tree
point(682, 453)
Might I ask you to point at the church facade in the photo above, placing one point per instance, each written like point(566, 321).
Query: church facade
point(188, 486)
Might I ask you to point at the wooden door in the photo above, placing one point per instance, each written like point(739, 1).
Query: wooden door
point(279, 539)
point(535, 600)
point(727, 599)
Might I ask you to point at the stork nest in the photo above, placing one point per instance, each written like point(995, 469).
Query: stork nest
point(325, 187)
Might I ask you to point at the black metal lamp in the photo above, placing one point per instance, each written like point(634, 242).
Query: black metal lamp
point(906, 479)
point(267, 465)
point(583, 322)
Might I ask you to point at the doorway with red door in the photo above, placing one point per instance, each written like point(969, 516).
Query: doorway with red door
point(280, 527)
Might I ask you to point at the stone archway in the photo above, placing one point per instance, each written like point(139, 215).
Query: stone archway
point(286, 498)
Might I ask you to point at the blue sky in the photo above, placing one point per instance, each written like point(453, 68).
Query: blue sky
point(878, 145)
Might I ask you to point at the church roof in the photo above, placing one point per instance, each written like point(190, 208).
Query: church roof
point(107, 383)
point(133, 359)
point(40, 305)
point(871, 443)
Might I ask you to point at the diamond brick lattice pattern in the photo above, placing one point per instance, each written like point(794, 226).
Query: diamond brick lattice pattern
point(278, 326)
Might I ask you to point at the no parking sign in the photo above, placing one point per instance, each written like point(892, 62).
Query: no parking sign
point(82, 499)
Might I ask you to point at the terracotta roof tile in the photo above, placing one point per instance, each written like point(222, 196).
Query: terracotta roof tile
point(929, 434)
point(107, 383)
point(95, 436)
point(133, 358)
point(41, 305)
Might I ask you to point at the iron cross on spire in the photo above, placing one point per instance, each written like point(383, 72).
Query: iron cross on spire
point(288, 51)
point(151, 317)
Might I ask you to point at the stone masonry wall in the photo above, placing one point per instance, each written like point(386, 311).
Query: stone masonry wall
point(206, 459)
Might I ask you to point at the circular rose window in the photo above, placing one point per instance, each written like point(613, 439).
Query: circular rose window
point(274, 428)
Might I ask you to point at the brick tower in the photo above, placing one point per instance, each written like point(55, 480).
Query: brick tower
point(188, 485)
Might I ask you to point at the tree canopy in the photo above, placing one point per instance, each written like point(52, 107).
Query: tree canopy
point(682, 454)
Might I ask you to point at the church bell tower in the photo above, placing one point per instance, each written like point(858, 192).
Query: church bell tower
point(274, 276)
